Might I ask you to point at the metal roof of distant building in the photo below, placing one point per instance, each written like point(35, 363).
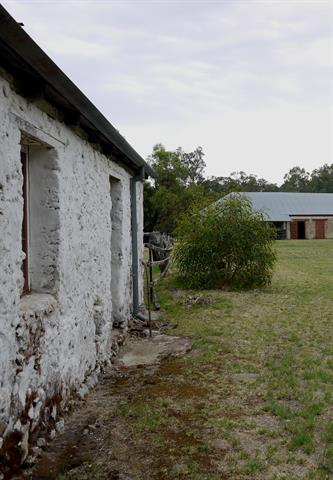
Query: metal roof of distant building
point(280, 206)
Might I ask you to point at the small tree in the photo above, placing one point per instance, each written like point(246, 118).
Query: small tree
point(226, 244)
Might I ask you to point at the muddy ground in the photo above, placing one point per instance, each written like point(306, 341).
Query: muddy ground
point(97, 442)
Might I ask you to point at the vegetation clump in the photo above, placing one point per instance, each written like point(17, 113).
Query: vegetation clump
point(180, 183)
point(226, 244)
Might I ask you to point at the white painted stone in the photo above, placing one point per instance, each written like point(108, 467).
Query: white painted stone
point(54, 412)
point(60, 425)
point(41, 442)
point(34, 414)
point(18, 426)
point(83, 392)
point(31, 413)
point(91, 380)
point(54, 339)
point(24, 444)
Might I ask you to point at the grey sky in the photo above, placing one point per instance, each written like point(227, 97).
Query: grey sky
point(250, 81)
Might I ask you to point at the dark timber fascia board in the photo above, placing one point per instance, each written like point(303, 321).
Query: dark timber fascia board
point(310, 215)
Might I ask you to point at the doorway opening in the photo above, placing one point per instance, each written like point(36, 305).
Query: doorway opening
point(116, 249)
point(301, 230)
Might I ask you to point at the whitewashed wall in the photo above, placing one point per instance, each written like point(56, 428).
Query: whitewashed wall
point(52, 343)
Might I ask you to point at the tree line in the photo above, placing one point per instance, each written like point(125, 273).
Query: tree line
point(181, 183)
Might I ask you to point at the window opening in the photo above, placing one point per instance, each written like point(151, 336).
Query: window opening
point(40, 225)
point(281, 231)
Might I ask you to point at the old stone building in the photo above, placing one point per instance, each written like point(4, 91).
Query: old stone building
point(296, 216)
point(71, 220)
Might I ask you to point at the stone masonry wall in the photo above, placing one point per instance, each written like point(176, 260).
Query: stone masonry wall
point(53, 342)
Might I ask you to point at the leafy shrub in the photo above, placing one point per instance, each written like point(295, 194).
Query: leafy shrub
point(226, 244)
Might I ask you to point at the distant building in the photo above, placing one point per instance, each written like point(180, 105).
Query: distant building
point(71, 241)
point(296, 216)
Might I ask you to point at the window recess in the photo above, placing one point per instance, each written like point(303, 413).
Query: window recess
point(40, 225)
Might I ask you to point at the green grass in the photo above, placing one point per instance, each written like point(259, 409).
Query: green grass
point(254, 398)
point(87, 471)
point(264, 364)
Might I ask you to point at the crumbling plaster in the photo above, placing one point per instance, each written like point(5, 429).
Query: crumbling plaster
point(53, 341)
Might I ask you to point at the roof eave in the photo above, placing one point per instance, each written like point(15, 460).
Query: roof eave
point(12, 34)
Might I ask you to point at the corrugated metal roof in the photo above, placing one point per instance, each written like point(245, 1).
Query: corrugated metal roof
point(280, 206)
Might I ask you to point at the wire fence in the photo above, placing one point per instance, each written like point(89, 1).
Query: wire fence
point(157, 256)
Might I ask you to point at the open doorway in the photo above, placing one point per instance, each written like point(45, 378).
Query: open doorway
point(116, 249)
point(301, 230)
point(298, 230)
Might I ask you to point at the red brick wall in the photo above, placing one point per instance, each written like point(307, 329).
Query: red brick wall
point(293, 230)
point(320, 229)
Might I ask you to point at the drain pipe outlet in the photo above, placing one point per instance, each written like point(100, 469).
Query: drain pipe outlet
point(141, 317)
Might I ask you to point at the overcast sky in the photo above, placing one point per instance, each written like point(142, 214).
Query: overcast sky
point(248, 80)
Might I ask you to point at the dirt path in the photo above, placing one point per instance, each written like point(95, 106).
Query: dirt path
point(96, 442)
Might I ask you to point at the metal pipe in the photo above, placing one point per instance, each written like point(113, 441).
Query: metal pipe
point(149, 280)
point(141, 317)
point(151, 291)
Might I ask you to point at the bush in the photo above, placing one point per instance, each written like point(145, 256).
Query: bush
point(226, 244)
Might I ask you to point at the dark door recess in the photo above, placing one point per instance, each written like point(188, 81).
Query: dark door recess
point(297, 230)
point(301, 230)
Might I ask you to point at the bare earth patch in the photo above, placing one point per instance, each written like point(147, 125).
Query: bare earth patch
point(152, 350)
point(95, 428)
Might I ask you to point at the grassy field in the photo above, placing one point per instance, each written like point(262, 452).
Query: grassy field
point(254, 399)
